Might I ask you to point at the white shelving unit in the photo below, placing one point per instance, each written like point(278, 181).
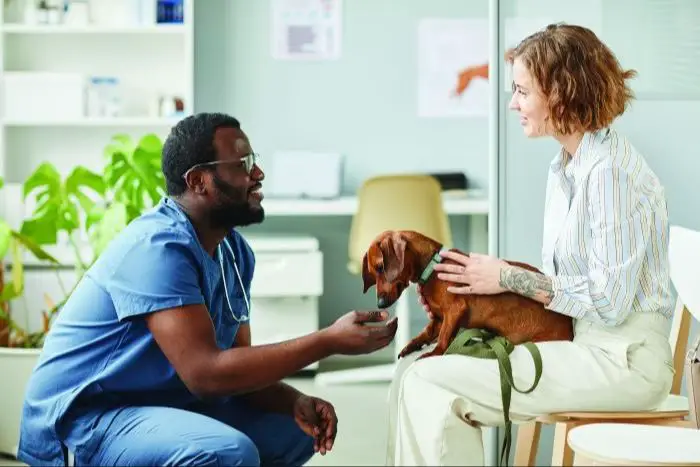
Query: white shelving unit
point(149, 60)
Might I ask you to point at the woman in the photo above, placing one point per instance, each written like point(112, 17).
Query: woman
point(605, 264)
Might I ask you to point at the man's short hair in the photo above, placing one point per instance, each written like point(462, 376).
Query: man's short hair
point(191, 142)
point(582, 81)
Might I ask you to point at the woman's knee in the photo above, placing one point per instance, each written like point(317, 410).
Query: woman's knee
point(414, 387)
point(407, 362)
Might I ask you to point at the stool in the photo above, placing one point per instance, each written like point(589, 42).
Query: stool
point(634, 444)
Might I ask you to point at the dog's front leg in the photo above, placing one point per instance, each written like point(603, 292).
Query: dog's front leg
point(426, 336)
point(450, 323)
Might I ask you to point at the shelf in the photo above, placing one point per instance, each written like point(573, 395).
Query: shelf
point(94, 122)
point(468, 202)
point(89, 29)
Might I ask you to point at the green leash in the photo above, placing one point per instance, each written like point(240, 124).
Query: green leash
point(480, 343)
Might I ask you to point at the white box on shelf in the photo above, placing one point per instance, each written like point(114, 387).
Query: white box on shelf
point(113, 14)
point(294, 174)
point(43, 96)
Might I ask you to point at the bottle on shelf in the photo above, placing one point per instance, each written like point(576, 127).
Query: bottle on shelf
point(170, 11)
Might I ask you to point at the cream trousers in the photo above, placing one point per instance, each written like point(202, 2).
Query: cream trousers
point(437, 404)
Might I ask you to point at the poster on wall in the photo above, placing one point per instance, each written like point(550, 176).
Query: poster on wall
point(453, 67)
point(306, 29)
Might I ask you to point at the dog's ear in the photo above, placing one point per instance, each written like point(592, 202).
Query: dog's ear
point(394, 261)
point(367, 277)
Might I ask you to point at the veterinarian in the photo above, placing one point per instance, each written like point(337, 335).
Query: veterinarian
point(605, 264)
point(150, 361)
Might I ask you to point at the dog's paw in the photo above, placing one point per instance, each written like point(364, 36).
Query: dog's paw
point(407, 351)
point(433, 353)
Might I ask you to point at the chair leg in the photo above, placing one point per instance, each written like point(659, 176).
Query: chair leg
point(526, 443)
point(679, 422)
point(582, 461)
point(562, 454)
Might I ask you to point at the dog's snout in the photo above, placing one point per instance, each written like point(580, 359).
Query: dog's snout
point(382, 302)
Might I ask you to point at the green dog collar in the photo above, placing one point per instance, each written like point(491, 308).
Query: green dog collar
point(431, 266)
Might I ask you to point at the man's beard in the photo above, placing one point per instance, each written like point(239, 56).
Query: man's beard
point(233, 208)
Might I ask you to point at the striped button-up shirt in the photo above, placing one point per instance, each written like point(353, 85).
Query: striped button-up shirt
point(606, 228)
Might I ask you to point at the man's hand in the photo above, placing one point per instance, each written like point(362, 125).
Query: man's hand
point(317, 418)
point(350, 334)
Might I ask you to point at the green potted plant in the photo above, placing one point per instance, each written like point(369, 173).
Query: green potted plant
point(95, 206)
point(84, 204)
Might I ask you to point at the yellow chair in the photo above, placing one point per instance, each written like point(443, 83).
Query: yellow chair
point(397, 202)
point(684, 256)
point(392, 202)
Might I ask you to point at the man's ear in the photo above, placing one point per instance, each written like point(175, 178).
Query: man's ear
point(196, 182)
point(367, 278)
point(393, 267)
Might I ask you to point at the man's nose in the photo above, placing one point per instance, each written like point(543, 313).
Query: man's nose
point(257, 173)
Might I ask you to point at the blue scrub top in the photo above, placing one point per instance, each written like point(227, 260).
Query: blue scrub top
point(100, 350)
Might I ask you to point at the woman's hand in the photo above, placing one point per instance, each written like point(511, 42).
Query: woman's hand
point(477, 273)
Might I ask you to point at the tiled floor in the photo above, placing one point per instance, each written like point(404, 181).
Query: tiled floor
point(362, 415)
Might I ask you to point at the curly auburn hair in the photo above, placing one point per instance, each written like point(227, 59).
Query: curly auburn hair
point(582, 81)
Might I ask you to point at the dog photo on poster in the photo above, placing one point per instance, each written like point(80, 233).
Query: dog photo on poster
point(446, 48)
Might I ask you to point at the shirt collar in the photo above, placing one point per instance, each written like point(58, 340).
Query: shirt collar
point(588, 152)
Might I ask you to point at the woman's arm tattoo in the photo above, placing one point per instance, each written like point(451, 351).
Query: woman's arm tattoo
point(527, 283)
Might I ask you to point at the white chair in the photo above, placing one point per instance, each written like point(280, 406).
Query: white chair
point(684, 257)
point(636, 444)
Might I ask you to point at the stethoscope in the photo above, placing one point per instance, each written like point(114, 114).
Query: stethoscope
point(240, 281)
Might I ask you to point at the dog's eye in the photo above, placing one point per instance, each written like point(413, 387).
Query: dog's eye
point(379, 269)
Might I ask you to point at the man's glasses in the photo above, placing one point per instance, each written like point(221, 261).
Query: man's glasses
point(248, 161)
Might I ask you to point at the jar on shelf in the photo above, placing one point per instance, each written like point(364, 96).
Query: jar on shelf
point(103, 97)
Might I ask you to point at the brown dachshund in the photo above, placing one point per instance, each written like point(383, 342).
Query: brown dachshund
point(397, 258)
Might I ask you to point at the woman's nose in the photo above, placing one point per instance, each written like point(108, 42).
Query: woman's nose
point(513, 104)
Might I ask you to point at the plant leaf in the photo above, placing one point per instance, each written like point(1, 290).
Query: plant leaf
point(4, 238)
point(151, 144)
point(38, 252)
point(45, 175)
point(45, 222)
point(111, 222)
point(17, 266)
point(9, 292)
point(42, 230)
point(81, 178)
